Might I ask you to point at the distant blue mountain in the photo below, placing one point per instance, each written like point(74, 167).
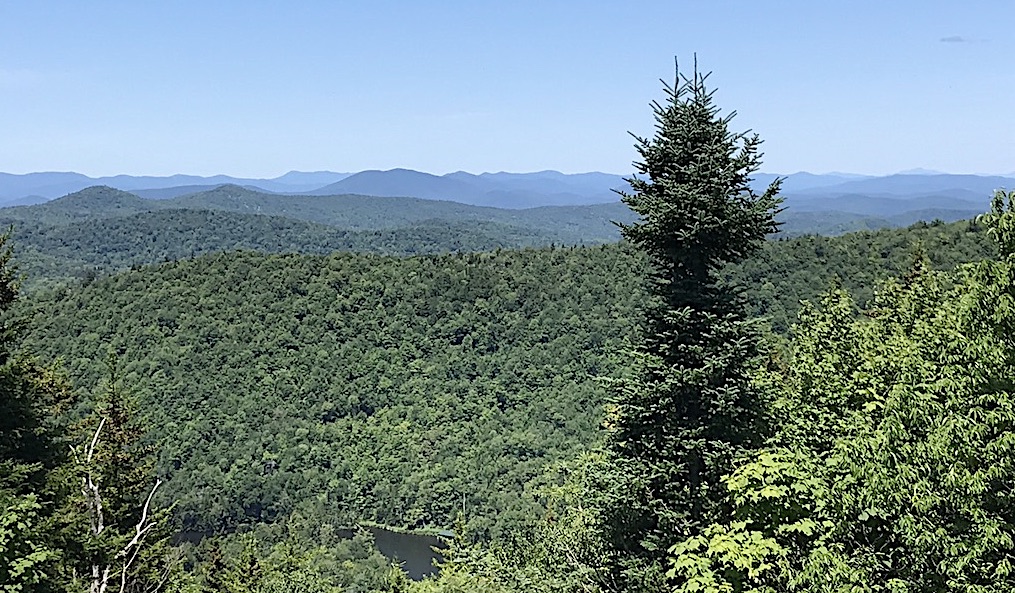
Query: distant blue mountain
point(15, 188)
point(401, 183)
point(309, 180)
point(549, 181)
point(968, 202)
point(891, 198)
point(915, 184)
point(48, 185)
point(500, 190)
point(803, 181)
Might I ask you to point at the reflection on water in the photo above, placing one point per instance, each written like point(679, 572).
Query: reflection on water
point(412, 551)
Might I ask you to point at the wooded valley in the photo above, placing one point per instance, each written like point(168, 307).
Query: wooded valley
point(211, 392)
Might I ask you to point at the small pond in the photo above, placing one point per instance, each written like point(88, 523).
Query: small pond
point(414, 552)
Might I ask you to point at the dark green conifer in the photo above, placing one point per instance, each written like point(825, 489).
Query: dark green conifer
point(690, 409)
point(32, 451)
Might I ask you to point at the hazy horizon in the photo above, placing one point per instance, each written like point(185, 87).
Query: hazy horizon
point(913, 171)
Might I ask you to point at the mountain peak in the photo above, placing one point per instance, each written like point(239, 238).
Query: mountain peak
point(100, 192)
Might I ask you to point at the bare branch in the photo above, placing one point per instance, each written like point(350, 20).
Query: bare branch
point(129, 553)
point(95, 441)
point(143, 525)
point(91, 491)
point(99, 581)
point(133, 547)
point(163, 580)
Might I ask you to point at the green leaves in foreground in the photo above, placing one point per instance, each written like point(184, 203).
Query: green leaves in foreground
point(22, 555)
point(893, 466)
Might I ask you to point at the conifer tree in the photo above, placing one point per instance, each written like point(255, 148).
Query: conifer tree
point(689, 410)
point(32, 451)
point(120, 530)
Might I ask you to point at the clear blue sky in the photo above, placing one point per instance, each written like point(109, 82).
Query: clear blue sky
point(259, 88)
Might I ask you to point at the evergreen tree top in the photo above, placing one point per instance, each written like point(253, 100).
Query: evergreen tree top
point(692, 187)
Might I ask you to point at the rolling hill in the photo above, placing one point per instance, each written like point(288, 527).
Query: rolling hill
point(101, 230)
point(853, 201)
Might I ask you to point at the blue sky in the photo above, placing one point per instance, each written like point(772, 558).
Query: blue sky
point(259, 88)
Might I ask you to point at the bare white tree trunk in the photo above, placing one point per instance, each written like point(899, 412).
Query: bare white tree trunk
point(128, 554)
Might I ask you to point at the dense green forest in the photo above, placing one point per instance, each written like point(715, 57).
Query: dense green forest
point(785, 272)
point(393, 389)
point(460, 362)
point(100, 231)
point(699, 407)
point(356, 386)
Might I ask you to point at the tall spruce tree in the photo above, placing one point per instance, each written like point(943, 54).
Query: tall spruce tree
point(689, 410)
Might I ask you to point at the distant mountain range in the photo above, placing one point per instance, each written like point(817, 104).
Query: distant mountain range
point(103, 229)
point(40, 187)
point(499, 190)
point(502, 190)
point(819, 204)
point(805, 192)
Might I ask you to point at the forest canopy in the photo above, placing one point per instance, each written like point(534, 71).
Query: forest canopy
point(699, 407)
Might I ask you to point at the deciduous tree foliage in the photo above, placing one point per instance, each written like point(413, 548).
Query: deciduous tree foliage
point(788, 271)
point(893, 466)
point(353, 386)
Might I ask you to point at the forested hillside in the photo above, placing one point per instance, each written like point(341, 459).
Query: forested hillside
point(87, 249)
point(360, 387)
point(705, 406)
point(788, 271)
point(388, 388)
point(100, 230)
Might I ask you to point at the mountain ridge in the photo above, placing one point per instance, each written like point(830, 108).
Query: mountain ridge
point(501, 189)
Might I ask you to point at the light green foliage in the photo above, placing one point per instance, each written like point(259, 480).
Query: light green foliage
point(563, 551)
point(901, 427)
point(1000, 222)
point(467, 567)
point(22, 555)
point(779, 509)
point(704, 562)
